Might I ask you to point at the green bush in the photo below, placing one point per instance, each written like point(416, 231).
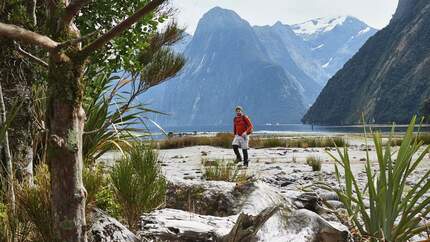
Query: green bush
point(138, 184)
point(220, 170)
point(315, 162)
point(99, 191)
point(396, 212)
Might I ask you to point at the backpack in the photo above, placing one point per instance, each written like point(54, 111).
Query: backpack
point(243, 118)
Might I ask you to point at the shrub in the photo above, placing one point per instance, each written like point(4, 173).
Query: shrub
point(396, 212)
point(138, 184)
point(220, 170)
point(99, 191)
point(315, 162)
point(34, 205)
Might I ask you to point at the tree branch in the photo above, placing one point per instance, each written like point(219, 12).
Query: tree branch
point(72, 10)
point(14, 32)
point(31, 56)
point(121, 27)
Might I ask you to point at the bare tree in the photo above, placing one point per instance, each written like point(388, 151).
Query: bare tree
point(65, 115)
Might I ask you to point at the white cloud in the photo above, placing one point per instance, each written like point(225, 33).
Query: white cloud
point(376, 13)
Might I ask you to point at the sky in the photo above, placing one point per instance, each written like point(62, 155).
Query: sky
point(376, 13)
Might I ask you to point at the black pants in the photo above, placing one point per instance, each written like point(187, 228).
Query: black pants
point(238, 157)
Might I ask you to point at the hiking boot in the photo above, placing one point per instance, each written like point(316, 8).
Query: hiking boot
point(238, 160)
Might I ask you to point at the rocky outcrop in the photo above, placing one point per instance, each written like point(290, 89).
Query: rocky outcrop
point(107, 229)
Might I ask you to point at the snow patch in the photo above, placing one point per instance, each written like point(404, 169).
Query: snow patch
point(328, 63)
point(318, 47)
point(318, 25)
point(364, 31)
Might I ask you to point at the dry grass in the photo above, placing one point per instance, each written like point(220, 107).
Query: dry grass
point(224, 140)
point(315, 162)
point(220, 140)
point(221, 170)
point(424, 138)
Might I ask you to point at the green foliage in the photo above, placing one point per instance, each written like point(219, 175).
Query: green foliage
point(396, 212)
point(220, 170)
point(315, 162)
point(34, 205)
point(120, 53)
point(99, 191)
point(107, 127)
point(138, 183)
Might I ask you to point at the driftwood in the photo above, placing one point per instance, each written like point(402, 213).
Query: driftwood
point(177, 225)
point(247, 226)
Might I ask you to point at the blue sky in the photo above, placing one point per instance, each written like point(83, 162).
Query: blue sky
point(376, 13)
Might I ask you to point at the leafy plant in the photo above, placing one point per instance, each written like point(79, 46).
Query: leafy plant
point(138, 184)
point(315, 162)
point(99, 190)
point(395, 211)
point(220, 170)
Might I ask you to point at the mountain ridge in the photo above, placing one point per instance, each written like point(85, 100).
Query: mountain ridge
point(388, 79)
point(268, 69)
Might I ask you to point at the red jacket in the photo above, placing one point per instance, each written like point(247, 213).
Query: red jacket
point(242, 124)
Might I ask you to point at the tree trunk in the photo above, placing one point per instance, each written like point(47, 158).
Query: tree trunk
point(16, 76)
point(65, 118)
point(5, 153)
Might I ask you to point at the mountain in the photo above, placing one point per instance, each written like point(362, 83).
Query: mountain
point(388, 79)
point(274, 71)
point(227, 65)
point(276, 40)
point(333, 41)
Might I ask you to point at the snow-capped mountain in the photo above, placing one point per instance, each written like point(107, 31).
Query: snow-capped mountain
point(276, 72)
point(388, 80)
point(314, 27)
point(334, 40)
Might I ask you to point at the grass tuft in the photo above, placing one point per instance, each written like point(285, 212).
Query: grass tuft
point(221, 170)
point(315, 162)
point(138, 183)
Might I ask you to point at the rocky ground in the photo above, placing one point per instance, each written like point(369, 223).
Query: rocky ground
point(199, 210)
